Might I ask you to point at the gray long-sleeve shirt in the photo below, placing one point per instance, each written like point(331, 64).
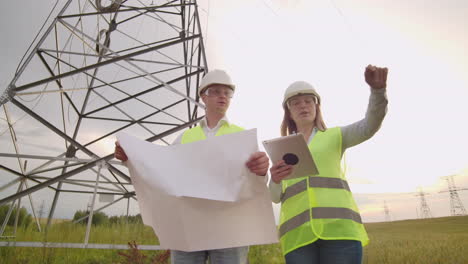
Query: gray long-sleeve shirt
point(354, 133)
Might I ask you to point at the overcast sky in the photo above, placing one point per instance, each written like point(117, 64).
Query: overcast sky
point(266, 45)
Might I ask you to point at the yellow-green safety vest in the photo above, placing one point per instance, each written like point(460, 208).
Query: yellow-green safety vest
point(196, 133)
point(320, 206)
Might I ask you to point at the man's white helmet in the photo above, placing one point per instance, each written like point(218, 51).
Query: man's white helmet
point(299, 87)
point(216, 77)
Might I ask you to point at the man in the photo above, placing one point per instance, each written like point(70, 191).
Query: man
point(216, 91)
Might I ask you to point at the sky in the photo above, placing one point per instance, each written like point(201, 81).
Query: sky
point(266, 45)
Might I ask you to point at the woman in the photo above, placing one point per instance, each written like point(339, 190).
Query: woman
point(319, 220)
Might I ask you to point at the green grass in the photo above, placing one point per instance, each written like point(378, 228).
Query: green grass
point(438, 240)
point(67, 232)
point(270, 254)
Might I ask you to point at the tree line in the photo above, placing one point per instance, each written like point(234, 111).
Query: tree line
point(24, 218)
point(99, 218)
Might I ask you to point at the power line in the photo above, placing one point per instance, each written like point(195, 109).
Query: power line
point(37, 35)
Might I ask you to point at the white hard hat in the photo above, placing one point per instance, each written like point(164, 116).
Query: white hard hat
point(216, 77)
point(299, 87)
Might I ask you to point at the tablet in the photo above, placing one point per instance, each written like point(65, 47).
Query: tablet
point(294, 151)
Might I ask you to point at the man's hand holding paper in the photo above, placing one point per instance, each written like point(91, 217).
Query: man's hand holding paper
point(205, 184)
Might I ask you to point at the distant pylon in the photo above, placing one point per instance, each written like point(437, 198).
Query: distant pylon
point(424, 208)
point(456, 206)
point(387, 212)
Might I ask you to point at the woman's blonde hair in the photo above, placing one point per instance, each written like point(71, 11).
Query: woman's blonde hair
point(288, 126)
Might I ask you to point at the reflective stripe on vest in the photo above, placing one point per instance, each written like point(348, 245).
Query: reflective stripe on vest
point(314, 182)
point(319, 213)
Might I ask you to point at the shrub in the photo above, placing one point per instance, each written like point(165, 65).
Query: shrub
point(131, 219)
point(99, 218)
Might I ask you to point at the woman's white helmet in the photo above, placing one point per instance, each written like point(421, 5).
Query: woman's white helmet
point(297, 88)
point(216, 77)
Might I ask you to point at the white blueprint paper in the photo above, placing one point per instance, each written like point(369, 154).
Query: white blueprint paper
point(201, 195)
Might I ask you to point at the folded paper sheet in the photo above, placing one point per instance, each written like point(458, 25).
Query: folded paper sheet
point(200, 195)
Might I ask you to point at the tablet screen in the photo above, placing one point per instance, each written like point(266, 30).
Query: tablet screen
point(294, 151)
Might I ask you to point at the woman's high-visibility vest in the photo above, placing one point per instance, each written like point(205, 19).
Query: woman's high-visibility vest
point(196, 133)
point(320, 206)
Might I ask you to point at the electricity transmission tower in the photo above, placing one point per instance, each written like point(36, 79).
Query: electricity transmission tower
point(424, 208)
point(132, 66)
point(456, 205)
point(387, 212)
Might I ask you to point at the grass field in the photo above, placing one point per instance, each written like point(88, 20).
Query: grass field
point(437, 240)
point(428, 241)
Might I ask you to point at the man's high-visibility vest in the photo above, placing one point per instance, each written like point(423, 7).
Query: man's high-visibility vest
point(196, 133)
point(320, 206)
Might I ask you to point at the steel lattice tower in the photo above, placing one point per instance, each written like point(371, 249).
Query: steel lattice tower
point(387, 212)
point(424, 208)
point(132, 66)
point(456, 205)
